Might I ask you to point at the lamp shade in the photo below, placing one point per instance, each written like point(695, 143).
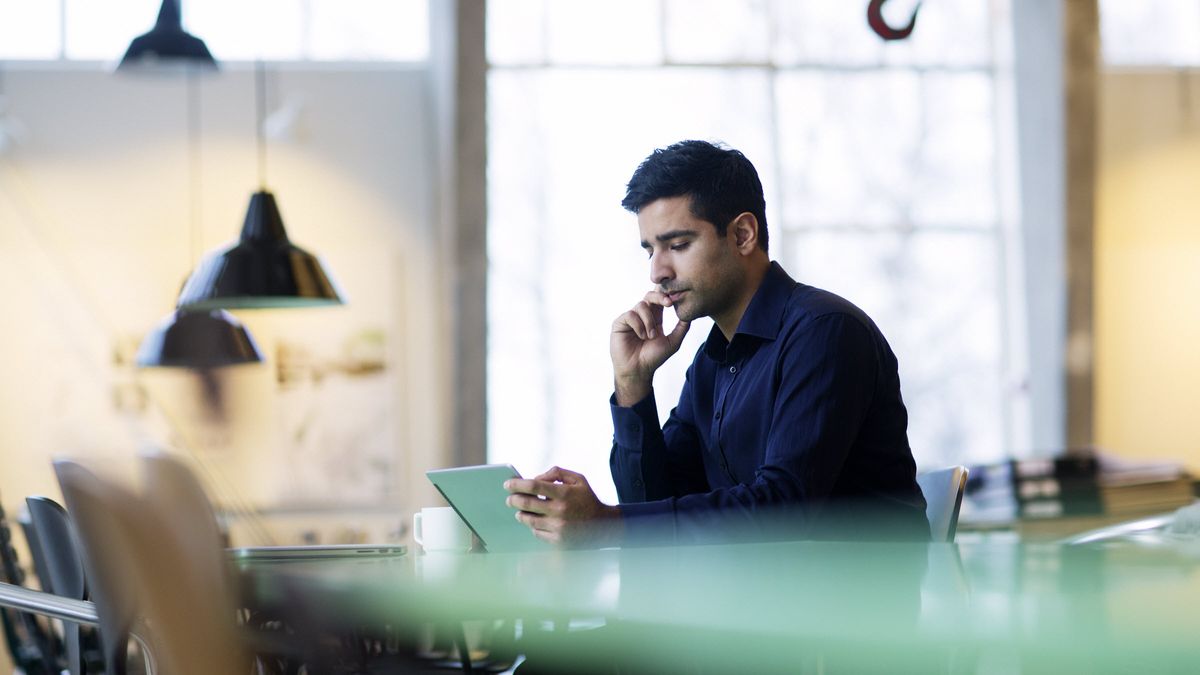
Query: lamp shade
point(167, 42)
point(263, 269)
point(197, 340)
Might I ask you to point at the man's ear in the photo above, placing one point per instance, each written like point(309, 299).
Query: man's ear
point(745, 232)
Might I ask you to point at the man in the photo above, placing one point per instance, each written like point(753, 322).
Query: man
point(790, 422)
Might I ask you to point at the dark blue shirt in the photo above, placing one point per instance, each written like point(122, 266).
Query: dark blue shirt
point(799, 416)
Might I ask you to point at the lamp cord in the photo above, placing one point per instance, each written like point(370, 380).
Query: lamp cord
point(193, 100)
point(260, 98)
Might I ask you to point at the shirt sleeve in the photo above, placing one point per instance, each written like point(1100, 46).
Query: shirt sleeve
point(828, 370)
point(651, 463)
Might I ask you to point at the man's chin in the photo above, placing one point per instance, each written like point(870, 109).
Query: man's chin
point(686, 312)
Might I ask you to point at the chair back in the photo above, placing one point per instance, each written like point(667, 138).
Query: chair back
point(155, 554)
point(943, 490)
point(195, 620)
point(105, 515)
point(53, 542)
point(34, 648)
point(35, 549)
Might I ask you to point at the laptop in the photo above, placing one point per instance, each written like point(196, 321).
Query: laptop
point(316, 552)
point(477, 494)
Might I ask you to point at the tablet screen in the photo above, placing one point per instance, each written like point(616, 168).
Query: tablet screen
point(477, 493)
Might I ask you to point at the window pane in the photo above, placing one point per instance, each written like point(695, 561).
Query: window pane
point(379, 30)
point(954, 182)
point(565, 258)
point(241, 31)
point(879, 165)
point(612, 32)
point(935, 297)
point(848, 145)
point(29, 30)
point(99, 30)
point(516, 31)
point(887, 147)
point(819, 31)
point(1150, 32)
point(715, 31)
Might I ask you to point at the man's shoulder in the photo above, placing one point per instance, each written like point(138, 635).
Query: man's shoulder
point(809, 303)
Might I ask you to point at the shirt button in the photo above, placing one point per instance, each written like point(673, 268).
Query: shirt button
point(637, 483)
point(733, 369)
point(633, 428)
point(717, 415)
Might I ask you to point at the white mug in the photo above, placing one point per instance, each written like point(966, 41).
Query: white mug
point(439, 529)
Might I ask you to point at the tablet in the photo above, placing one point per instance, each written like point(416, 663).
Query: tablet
point(477, 494)
point(317, 552)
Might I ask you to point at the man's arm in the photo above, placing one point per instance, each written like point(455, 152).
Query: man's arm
point(559, 505)
point(649, 462)
point(828, 375)
point(641, 465)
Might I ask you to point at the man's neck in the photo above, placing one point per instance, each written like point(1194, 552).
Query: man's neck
point(729, 320)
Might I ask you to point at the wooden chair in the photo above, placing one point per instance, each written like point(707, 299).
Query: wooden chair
point(155, 556)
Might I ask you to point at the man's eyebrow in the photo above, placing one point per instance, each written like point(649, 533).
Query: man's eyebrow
point(668, 236)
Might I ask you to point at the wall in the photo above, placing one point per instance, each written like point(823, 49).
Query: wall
point(96, 203)
point(1148, 265)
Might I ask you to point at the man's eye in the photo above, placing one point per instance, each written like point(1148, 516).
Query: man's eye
point(680, 246)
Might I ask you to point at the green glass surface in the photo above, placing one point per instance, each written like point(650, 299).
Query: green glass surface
point(862, 607)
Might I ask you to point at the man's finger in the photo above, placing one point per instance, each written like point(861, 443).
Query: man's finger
point(657, 298)
point(651, 316)
point(631, 322)
point(530, 504)
point(565, 476)
point(556, 473)
point(537, 487)
point(679, 332)
point(540, 523)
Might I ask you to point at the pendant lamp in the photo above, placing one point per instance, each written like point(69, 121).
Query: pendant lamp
point(167, 43)
point(264, 269)
point(197, 340)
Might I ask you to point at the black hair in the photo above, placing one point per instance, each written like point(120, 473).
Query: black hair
point(720, 181)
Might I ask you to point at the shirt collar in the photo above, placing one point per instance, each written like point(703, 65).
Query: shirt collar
point(764, 314)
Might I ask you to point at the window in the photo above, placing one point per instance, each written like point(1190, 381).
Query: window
point(881, 169)
point(280, 30)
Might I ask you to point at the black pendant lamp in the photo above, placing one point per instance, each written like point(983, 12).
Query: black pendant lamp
point(167, 43)
point(264, 269)
point(197, 340)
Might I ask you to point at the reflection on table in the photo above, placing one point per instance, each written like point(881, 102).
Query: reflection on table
point(793, 607)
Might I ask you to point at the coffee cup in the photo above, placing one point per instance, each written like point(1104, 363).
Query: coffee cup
point(438, 529)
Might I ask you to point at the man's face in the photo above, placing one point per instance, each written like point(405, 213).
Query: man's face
point(689, 262)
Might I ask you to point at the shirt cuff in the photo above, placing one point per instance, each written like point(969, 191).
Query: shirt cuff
point(630, 424)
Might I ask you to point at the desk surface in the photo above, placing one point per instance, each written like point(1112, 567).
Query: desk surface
point(1095, 608)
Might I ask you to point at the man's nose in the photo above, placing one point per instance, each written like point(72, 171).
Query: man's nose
point(660, 272)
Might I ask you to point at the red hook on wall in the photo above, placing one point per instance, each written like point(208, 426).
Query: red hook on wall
point(875, 20)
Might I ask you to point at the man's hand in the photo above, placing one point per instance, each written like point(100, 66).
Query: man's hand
point(638, 346)
point(560, 507)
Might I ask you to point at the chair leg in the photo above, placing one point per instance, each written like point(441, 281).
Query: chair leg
point(464, 651)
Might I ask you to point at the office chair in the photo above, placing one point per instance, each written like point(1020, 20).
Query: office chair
point(34, 648)
point(943, 490)
point(52, 542)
